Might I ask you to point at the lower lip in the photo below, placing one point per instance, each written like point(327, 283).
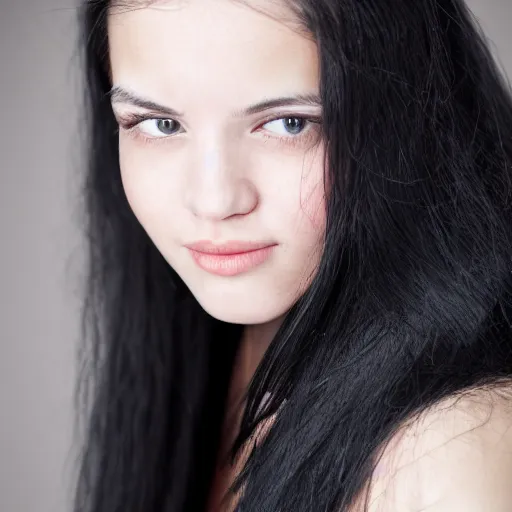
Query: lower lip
point(231, 264)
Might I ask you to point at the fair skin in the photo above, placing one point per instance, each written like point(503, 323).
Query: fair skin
point(457, 457)
point(216, 176)
point(204, 173)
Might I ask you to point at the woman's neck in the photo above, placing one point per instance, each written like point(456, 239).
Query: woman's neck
point(255, 341)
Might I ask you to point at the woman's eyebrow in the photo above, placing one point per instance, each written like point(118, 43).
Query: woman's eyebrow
point(309, 99)
point(120, 95)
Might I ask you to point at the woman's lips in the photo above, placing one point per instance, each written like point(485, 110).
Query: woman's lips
point(231, 258)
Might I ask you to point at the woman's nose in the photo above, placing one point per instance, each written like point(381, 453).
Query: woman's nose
point(218, 188)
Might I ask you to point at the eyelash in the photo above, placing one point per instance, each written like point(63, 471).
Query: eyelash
point(129, 124)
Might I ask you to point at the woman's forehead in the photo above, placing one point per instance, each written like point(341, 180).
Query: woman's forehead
point(228, 45)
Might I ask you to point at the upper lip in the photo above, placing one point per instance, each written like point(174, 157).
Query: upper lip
point(231, 247)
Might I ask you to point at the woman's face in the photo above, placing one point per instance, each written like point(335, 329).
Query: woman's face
point(201, 166)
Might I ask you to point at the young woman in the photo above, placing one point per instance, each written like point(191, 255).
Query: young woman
point(300, 227)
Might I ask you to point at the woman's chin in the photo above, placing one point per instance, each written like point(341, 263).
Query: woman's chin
point(243, 314)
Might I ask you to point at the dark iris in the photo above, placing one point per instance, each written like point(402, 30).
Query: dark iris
point(166, 126)
point(294, 124)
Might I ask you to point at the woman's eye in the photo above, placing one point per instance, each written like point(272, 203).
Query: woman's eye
point(158, 127)
point(288, 125)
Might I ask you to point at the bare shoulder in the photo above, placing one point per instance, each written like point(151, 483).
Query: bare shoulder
point(456, 456)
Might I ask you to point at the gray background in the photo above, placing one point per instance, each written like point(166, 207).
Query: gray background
point(40, 256)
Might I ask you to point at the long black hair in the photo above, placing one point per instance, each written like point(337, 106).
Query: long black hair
point(411, 302)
